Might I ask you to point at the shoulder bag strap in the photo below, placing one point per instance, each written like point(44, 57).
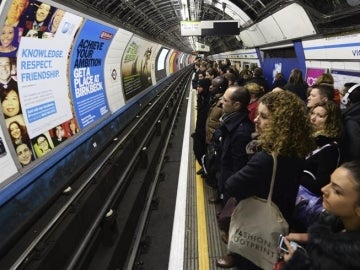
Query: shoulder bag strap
point(272, 178)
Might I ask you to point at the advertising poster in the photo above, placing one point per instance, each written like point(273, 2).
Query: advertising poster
point(136, 67)
point(87, 72)
point(174, 65)
point(312, 74)
point(160, 70)
point(342, 76)
point(7, 165)
point(42, 61)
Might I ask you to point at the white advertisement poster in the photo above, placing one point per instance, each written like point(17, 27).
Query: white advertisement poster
point(42, 77)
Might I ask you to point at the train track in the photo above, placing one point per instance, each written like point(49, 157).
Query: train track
point(96, 222)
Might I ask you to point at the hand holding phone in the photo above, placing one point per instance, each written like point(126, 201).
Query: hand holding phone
point(282, 244)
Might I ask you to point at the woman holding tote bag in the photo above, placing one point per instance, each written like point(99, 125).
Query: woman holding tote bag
point(285, 133)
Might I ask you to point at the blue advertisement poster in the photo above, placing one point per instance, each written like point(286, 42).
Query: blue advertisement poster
point(86, 72)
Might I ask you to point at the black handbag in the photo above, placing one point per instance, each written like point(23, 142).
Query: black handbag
point(211, 165)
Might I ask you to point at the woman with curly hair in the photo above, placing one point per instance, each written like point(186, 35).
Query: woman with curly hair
point(284, 129)
point(325, 119)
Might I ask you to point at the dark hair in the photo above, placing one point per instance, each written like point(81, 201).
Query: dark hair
point(354, 168)
point(204, 83)
point(258, 72)
point(230, 77)
point(240, 94)
point(221, 82)
point(296, 77)
point(5, 92)
point(23, 131)
point(325, 90)
point(212, 71)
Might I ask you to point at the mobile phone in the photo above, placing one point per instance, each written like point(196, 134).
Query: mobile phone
point(282, 245)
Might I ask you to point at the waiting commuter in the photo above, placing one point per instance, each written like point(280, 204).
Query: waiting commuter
point(327, 78)
point(211, 73)
point(202, 107)
point(221, 69)
point(245, 74)
point(232, 69)
point(332, 243)
point(217, 89)
point(351, 121)
point(256, 91)
point(325, 119)
point(296, 84)
point(235, 129)
point(258, 77)
point(285, 134)
point(231, 78)
point(279, 81)
point(199, 68)
point(320, 93)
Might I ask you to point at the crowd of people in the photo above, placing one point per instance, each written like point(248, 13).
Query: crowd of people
point(314, 131)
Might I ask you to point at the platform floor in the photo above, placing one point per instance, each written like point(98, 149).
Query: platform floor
point(182, 231)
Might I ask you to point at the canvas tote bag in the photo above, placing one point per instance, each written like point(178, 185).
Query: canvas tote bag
point(255, 227)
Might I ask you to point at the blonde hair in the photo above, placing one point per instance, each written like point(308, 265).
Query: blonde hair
point(255, 89)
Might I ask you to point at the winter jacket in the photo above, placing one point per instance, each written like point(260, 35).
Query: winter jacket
point(213, 117)
point(351, 139)
point(329, 248)
point(320, 164)
point(255, 177)
point(235, 135)
point(298, 89)
point(199, 136)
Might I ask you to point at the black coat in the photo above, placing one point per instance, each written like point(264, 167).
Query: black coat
point(235, 135)
point(320, 164)
point(351, 137)
point(328, 248)
point(298, 89)
point(255, 177)
point(199, 135)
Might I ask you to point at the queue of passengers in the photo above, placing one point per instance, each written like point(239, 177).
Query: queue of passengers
point(315, 134)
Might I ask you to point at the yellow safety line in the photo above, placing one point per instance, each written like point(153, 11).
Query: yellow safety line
point(203, 248)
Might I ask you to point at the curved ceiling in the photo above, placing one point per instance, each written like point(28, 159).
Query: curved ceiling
point(159, 20)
